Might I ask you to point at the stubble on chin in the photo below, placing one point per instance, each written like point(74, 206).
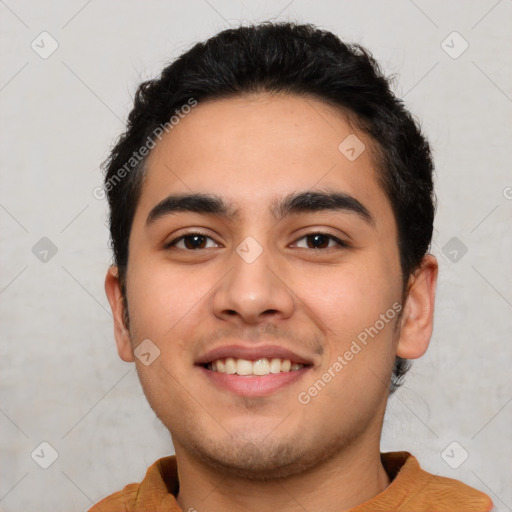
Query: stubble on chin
point(269, 459)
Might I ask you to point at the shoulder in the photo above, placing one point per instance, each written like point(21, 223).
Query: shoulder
point(119, 501)
point(421, 491)
point(447, 494)
point(156, 491)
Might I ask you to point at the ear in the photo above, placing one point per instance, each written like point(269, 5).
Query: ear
point(418, 317)
point(115, 298)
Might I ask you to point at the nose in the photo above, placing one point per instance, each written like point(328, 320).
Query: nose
point(256, 289)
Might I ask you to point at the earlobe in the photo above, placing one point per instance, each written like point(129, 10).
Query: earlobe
point(117, 305)
point(418, 317)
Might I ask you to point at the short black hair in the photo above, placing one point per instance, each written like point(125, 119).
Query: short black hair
point(292, 58)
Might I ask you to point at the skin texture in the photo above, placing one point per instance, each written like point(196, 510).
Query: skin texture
point(262, 453)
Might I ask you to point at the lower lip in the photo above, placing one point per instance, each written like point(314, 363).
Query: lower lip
point(254, 385)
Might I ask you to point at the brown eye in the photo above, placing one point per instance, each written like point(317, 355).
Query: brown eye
point(321, 241)
point(190, 242)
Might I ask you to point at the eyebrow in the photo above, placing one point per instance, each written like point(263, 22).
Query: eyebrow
point(292, 204)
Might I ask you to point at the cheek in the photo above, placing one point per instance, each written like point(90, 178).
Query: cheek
point(348, 298)
point(354, 305)
point(160, 299)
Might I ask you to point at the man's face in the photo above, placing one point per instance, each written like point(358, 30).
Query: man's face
point(257, 286)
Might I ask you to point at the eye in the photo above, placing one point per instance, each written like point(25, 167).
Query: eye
point(319, 241)
point(191, 241)
point(195, 241)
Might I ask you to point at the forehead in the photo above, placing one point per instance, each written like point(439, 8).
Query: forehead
point(255, 149)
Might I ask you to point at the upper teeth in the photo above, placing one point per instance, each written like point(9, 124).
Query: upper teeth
point(262, 366)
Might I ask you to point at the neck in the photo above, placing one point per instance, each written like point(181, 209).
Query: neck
point(344, 481)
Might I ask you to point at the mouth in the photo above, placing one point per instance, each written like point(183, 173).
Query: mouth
point(253, 371)
point(259, 367)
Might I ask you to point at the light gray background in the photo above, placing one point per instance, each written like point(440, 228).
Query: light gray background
point(61, 379)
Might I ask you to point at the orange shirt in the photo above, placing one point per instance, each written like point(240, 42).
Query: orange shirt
point(411, 490)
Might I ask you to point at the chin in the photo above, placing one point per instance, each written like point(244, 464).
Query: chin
point(263, 461)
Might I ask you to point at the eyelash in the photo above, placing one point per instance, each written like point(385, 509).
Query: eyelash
point(341, 244)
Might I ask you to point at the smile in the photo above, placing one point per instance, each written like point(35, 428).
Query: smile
point(259, 367)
